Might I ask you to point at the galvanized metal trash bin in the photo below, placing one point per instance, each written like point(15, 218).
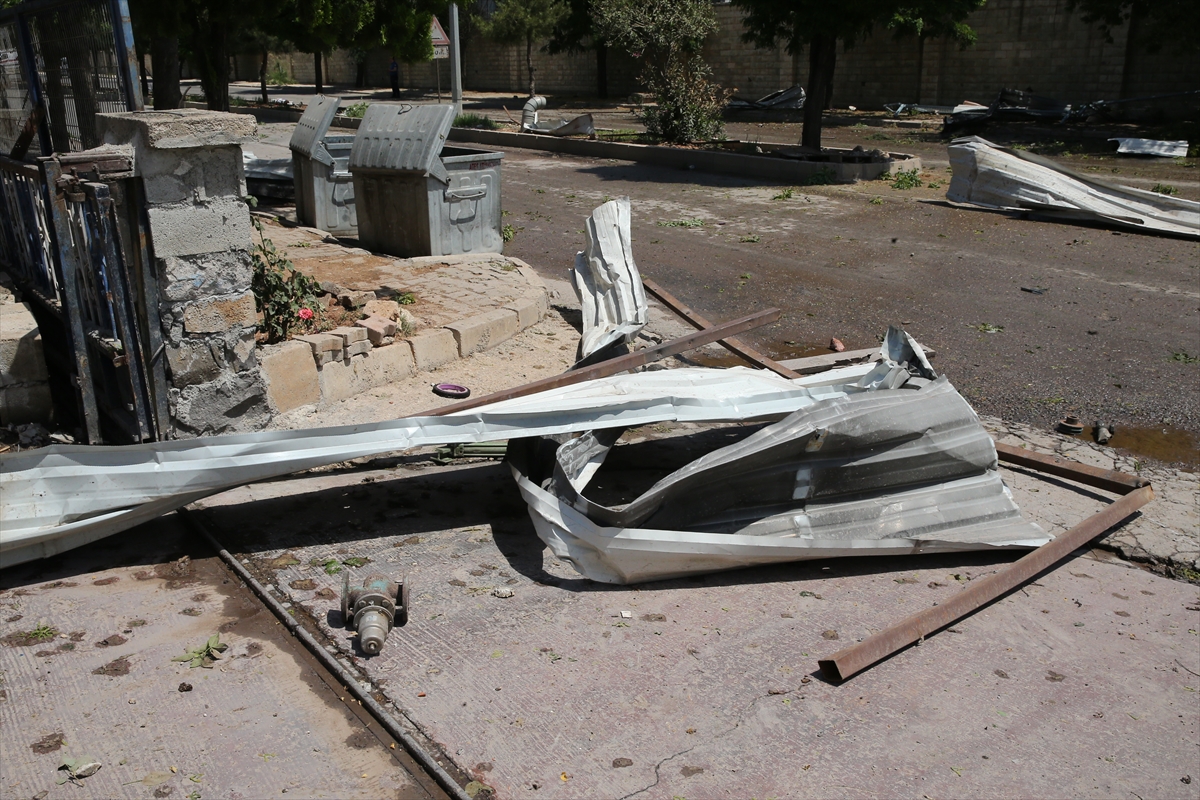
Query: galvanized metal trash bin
point(324, 186)
point(415, 195)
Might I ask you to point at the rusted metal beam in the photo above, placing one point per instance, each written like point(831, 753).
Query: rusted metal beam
point(621, 364)
point(1108, 479)
point(854, 659)
point(733, 345)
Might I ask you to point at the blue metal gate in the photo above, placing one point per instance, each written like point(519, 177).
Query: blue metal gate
point(73, 228)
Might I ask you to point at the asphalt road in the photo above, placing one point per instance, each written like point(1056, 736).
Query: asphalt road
point(1114, 336)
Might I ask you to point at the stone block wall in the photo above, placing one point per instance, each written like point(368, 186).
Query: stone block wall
point(1022, 44)
point(24, 381)
point(190, 163)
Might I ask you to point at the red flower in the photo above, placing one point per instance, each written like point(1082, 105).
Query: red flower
point(306, 314)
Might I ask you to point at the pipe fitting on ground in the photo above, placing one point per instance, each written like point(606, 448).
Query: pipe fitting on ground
point(373, 607)
point(529, 115)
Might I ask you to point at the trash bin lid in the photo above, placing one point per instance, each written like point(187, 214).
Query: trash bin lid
point(403, 138)
point(310, 130)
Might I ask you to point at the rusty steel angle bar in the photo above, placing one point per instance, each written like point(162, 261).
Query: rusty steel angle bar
point(854, 659)
point(1108, 479)
point(733, 345)
point(617, 365)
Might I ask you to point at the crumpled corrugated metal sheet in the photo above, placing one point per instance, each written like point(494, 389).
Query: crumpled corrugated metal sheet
point(1151, 147)
point(607, 280)
point(895, 462)
point(988, 175)
point(56, 498)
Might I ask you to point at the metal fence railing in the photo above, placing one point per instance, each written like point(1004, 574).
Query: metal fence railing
point(72, 58)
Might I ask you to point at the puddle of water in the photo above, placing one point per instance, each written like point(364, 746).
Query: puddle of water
point(1168, 445)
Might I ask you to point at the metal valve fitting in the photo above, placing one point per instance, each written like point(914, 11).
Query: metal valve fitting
point(373, 607)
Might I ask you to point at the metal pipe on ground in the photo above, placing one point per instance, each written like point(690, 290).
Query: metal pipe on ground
point(617, 365)
point(385, 719)
point(854, 659)
point(735, 346)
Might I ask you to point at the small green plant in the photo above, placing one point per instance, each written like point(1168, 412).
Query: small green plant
point(331, 566)
point(825, 176)
point(682, 223)
point(1164, 188)
point(357, 110)
point(507, 233)
point(475, 121)
point(355, 561)
point(1182, 357)
point(406, 298)
point(935, 184)
point(987, 327)
point(786, 194)
point(876, 200)
point(42, 633)
point(278, 76)
point(753, 238)
point(906, 179)
point(206, 654)
point(286, 297)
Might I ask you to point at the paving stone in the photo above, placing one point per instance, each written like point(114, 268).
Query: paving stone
point(528, 310)
point(431, 349)
point(378, 328)
point(321, 342)
point(349, 334)
point(358, 348)
point(483, 330)
point(291, 376)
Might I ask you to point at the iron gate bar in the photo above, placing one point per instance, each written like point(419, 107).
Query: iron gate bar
point(1137, 492)
point(155, 357)
point(111, 259)
point(126, 53)
point(70, 266)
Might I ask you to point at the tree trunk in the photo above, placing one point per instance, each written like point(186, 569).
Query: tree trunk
point(262, 76)
point(529, 62)
point(820, 72)
point(360, 74)
point(164, 54)
point(319, 79)
point(831, 55)
point(145, 78)
point(602, 71)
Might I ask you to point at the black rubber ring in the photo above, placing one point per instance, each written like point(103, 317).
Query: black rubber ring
point(451, 390)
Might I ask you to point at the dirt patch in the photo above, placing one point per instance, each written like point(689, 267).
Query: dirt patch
point(106, 581)
point(199, 597)
point(253, 649)
point(654, 618)
point(76, 636)
point(15, 617)
point(326, 594)
point(48, 743)
point(191, 612)
point(285, 560)
point(136, 623)
point(114, 668)
point(112, 641)
point(304, 584)
point(178, 573)
point(26, 638)
point(60, 585)
point(361, 739)
point(688, 772)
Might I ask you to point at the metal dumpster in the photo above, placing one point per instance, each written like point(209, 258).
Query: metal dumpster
point(324, 187)
point(415, 195)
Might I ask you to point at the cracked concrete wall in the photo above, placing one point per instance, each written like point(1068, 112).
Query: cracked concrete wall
point(190, 163)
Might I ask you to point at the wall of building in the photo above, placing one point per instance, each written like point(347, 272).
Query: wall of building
point(1027, 44)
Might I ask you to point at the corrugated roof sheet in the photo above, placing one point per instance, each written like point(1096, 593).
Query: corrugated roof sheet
point(403, 138)
point(310, 130)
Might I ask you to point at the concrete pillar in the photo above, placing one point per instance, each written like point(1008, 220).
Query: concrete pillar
point(190, 164)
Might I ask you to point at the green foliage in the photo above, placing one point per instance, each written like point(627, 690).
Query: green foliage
point(753, 238)
point(475, 121)
point(987, 327)
point(42, 633)
point(406, 298)
point(667, 36)
point(682, 223)
point(205, 654)
point(356, 110)
point(906, 179)
point(524, 22)
point(825, 176)
point(507, 233)
point(786, 194)
point(876, 201)
point(1164, 188)
point(1181, 357)
point(286, 297)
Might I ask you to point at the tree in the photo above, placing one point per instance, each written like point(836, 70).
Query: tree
point(1153, 24)
point(666, 36)
point(524, 21)
point(576, 34)
point(819, 25)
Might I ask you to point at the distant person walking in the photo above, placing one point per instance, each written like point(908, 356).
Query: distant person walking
point(394, 77)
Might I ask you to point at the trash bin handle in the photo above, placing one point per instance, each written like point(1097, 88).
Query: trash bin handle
point(467, 193)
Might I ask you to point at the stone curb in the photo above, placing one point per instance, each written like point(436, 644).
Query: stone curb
point(324, 368)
